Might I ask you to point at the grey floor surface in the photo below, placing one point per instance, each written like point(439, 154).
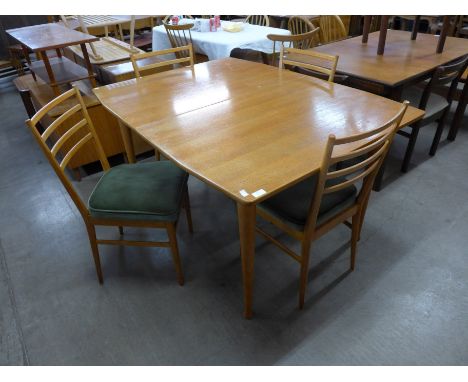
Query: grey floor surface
point(405, 304)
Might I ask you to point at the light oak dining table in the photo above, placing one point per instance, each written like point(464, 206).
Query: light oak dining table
point(247, 129)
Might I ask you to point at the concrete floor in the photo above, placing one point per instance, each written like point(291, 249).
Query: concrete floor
point(405, 304)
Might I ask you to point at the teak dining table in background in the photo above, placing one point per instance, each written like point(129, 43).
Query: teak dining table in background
point(404, 63)
point(247, 129)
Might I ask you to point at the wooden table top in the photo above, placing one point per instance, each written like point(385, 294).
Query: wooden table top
point(239, 125)
point(49, 36)
point(403, 59)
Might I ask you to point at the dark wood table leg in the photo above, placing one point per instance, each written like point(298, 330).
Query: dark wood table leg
point(128, 142)
point(459, 113)
point(246, 216)
point(414, 33)
point(50, 73)
point(59, 53)
point(382, 35)
point(366, 29)
point(28, 59)
point(443, 34)
point(88, 65)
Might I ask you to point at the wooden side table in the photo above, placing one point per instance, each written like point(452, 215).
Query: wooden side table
point(57, 70)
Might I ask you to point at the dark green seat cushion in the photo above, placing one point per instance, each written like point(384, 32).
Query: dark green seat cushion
point(292, 205)
point(435, 105)
point(143, 191)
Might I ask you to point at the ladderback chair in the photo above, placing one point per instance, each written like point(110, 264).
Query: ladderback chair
point(150, 62)
point(140, 61)
point(436, 106)
point(331, 29)
point(300, 25)
point(314, 206)
point(299, 41)
point(136, 195)
point(324, 65)
point(261, 20)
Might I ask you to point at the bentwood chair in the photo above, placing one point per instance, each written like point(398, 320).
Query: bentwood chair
point(299, 41)
point(317, 204)
point(261, 20)
point(300, 25)
point(320, 65)
point(141, 64)
point(134, 195)
point(436, 106)
point(331, 29)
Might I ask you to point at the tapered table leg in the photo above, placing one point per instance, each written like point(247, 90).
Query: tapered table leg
point(382, 35)
point(88, 65)
point(366, 29)
point(416, 22)
point(128, 142)
point(443, 34)
point(246, 216)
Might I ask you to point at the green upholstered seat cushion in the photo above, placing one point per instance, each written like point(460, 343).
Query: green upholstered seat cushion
point(435, 104)
point(143, 191)
point(292, 205)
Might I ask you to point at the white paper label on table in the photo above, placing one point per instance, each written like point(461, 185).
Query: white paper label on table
point(258, 193)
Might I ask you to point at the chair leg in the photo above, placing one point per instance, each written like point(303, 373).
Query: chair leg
point(171, 233)
point(409, 149)
point(157, 154)
point(437, 136)
point(94, 247)
point(305, 255)
point(121, 231)
point(355, 233)
point(188, 211)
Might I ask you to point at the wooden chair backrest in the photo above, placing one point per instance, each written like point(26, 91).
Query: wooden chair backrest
point(309, 59)
point(81, 132)
point(262, 20)
point(372, 148)
point(185, 53)
point(443, 75)
point(179, 36)
point(167, 19)
point(299, 41)
point(331, 29)
point(459, 24)
point(300, 25)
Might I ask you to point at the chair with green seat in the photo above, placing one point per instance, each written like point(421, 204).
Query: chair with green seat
point(133, 195)
point(436, 106)
point(317, 204)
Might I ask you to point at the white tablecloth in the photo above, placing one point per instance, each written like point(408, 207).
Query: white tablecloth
point(219, 44)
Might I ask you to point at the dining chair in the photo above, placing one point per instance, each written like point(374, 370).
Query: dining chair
point(321, 64)
point(299, 41)
point(143, 62)
point(261, 20)
point(331, 29)
point(436, 106)
point(180, 35)
point(134, 195)
point(314, 206)
point(300, 25)
point(151, 63)
point(167, 19)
